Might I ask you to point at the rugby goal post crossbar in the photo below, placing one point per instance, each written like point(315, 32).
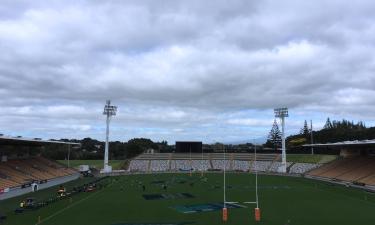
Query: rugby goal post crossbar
point(232, 202)
point(250, 202)
point(240, 202)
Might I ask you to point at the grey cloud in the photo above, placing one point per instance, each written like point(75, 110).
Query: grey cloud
point(198, 60)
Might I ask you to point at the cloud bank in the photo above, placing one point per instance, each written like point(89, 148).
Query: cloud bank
point(200, 70)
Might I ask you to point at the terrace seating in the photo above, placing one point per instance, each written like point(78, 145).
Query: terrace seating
point(301, 168)
point(219, 164)
point(206, 156)
point(370, 180)
point(363, 170)
point(240, 165)
point(159, 165)
point(260, 166)
point(201, 165)
point(197, 165)
point(139, 165)
point(17, 172)
point(160, 162)
point(356, 169)
point(275, 166)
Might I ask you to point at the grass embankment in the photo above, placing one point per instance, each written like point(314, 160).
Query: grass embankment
point(116, 164)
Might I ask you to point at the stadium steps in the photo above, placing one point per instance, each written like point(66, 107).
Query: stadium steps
point(344, 166)
point(17, 172)
point(6, 182)
point(370, 170)
point(25, 166)
point(325, 167)
point(370, 180)
point(43, 166)
point(14, 175)
point(353, 174)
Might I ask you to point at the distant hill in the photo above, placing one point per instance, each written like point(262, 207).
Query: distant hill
point(258, 141)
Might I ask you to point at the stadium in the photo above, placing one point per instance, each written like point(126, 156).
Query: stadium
point(166, 112)
point(187, 188)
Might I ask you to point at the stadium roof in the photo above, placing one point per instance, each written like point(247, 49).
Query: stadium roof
point(6, 140)
point(343, 143)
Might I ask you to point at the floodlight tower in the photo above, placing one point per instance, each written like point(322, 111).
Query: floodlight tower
point(282, 113)
point(109, 111)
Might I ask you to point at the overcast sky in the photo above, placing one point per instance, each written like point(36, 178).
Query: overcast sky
point(183, 70)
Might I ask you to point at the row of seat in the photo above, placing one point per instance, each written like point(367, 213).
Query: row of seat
point(356, 169)
point(208, 156)
point(18, 172)
point(162, 165)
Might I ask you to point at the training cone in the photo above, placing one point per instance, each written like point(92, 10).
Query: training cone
point(225, 214)
point(257, 214)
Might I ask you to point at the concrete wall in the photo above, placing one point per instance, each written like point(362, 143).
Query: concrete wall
point(53, 182)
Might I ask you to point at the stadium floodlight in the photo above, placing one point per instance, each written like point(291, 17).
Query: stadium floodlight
point(202, 165)
point(109, 111)
point(311, 138)
point(282, 113)
point(191, 163)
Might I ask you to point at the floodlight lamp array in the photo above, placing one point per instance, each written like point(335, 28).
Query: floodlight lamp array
point(109, 109)
point(281, 112)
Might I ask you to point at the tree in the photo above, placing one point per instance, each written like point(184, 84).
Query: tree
point(305, 130)
point(274, 137)
point(328, 124)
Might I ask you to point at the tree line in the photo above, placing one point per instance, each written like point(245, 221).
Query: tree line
point(94, 149)
point(332, 131)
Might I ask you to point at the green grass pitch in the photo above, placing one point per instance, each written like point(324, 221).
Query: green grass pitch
point(283, 200)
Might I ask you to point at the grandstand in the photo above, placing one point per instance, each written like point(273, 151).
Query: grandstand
point(355, 166)
point(241, 162)
point(23, 171)
point(359, 170)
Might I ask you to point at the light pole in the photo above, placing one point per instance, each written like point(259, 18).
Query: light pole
point(202, 164)
point(282, 113)
point(68, 155)
point(311, 140)
point(109, 111)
